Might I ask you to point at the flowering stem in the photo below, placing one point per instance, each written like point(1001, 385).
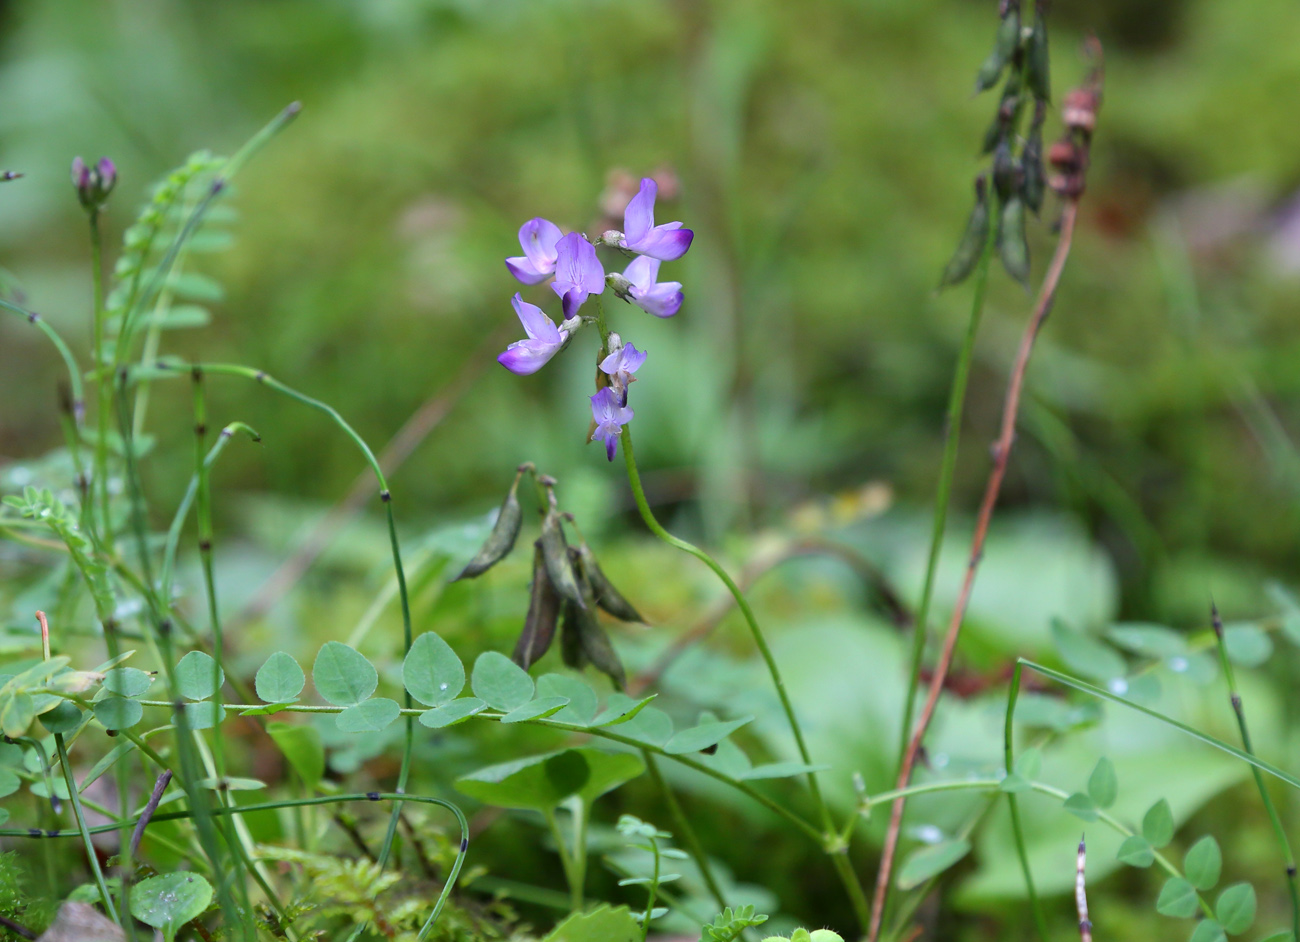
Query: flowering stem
point(951, 440)
point(842, 866)
point(104, 376)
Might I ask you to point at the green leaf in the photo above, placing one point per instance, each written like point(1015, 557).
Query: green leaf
point(703, 736)
point(1103, 786)
point(1148, 640)
point(1203, 863)
point(343, 676)
point(1081, 806)
point(603, 924)
point(652, 725)
point(1247, 645)
point(303, 748)
point(369, 716)
point(127, 682)
point(118, 712)
point(1029, 763)
point(194, 676)
point(169, 901)
point(9, 782)
point(204, 715)
point(608, 770)
point(930, 861)
point(620, 708)
point(432, 672)
point(781, 770)
point(1158, 824)
point(1136, 851)
point(17, 710)
point(1177, 898)
point(1236, 908)
point(500, 682)
point(540, 708)
point(1282, 935)
point(535, 783)
point(1085, 655)
point(449, 714)
point(582, 699)
point(1208, 930)
point(64, 718)
point(280, 679)
point(1014, 782)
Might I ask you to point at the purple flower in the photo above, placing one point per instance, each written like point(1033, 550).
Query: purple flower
point(107, 171)
point(661, 300)
point(537, 237)
point(544, 340)
point(610, 416)
point(641, 235)
point(578, 272)
point(620, 365)
point(80, 174)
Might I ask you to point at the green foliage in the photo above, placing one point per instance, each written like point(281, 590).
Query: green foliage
point(169, 901)
point(342, 675)
point(602, 924)
point(729, 924)
point(926, 862)
point(280, 679)
point(1203, 863)
point(432, 672)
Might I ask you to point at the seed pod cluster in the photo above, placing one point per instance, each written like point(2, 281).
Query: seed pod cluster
point(1020, 53)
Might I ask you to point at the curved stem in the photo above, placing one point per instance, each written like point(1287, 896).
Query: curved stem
point(1017, 830)
point(74, 794)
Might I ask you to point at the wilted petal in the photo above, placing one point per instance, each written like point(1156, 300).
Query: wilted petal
point(642, 272)
point(663, 300)
point(536, 324)
point(639, 217)
point(528, 356)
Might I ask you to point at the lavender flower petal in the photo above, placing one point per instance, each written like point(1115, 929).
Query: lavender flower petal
point(578, 272)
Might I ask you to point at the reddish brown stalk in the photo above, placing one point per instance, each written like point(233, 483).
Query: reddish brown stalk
point(408, 438)
point(1001, 455)
point(1081, 895)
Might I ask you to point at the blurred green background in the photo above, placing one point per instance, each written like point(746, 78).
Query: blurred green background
point(825, 153)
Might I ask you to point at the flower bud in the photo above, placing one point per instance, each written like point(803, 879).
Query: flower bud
point(1079, 110)
point(80, 174)
point(610, 237)
point(620, 284)
point(93, 184)
point(107, 175)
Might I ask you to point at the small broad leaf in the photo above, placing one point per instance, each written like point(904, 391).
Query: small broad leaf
point(118, 712)
point(781, 770)
point(9, 782)
point(229, 784)
point(1203, 863)
point(280, 679)
point(608, 770)
point(536, 783)
point(303, 748)
point(1158, 824)
point(1282, 935)
point(651, 725)
point(603, 924)
point(1029, 763)
point(1247, 645)
point(702, 736)
point(930, 861)
point(1136, 851)
point(203, 715)
point(17, 710)
point(1236, 908)
point(1014, 782)
point(1103, 786)
point(500, 682)
point(620, 708)
point(1085, 655)
point(536, 709)
point(1177, 898)
point(1208, 930)
point(197, 676)
point(449, 714)
point(1148, 640)
point(169, 901)
point(342, 675)
point(582, 699)
point(369, 716)
point(127, 682)
point(1081, 806)
point(432, 672)
point(64, 718)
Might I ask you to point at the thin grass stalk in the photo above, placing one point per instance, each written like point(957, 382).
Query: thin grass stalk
point(683, 825)
point(1017, 829)
point(1279, 832)
point(75, 797)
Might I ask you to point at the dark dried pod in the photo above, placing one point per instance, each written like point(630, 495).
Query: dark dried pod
point(1004, 45)
point(1006, 173)
point(1012, 244)
point(1037, 67)
point(543, 615)
point(607, 596)
point(583, 641)
point(1008, 116)
point(972, 241)
point(555, 553)
point(1033, 183)
point(502, 538)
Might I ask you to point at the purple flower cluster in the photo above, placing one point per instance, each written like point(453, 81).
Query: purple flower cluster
point(576, 274)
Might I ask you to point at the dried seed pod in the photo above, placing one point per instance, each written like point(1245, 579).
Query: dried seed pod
point(1012, 245)
point(972, 241)
point(607, 597)
point(1037, 68)
point(1033, 184)
point(1006, 173)
point(555, 553)
point(571, 651)
point(1004, 45)
point(543, 614)
point(502, 538)
point(583, 641)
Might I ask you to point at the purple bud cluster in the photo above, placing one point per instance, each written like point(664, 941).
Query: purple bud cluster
point(576, 274)
point(93, 183)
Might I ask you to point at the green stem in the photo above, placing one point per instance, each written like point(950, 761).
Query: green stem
point(684, 829)
point(948, 469)
point(566, 862)
point(654, 885)
point(74, 371)
point(1279, 833)
point(1017, 830)
point(104, 376)
point(74, 795)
